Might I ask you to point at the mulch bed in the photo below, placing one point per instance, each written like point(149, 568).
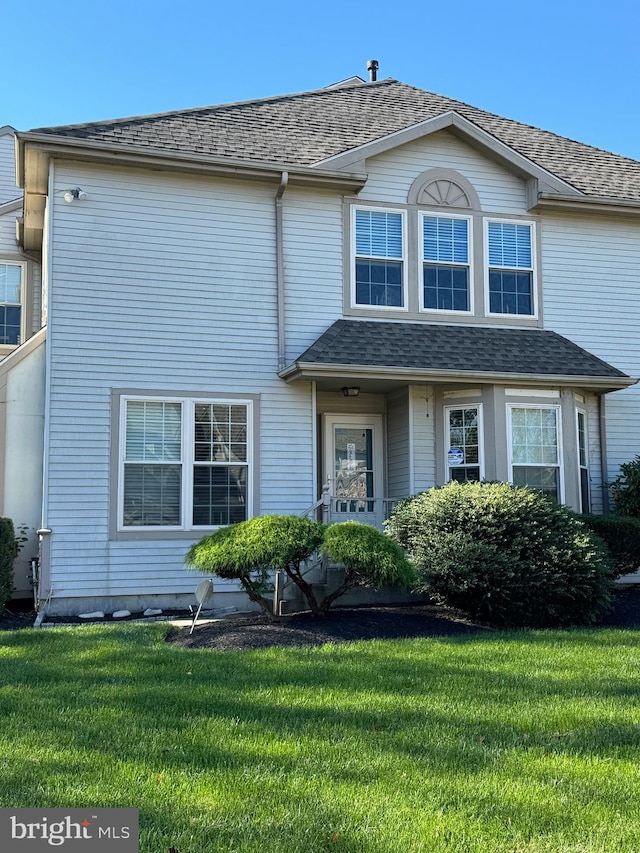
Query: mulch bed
point(342, 624)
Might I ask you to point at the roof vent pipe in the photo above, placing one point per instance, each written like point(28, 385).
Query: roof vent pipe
point(372, 68)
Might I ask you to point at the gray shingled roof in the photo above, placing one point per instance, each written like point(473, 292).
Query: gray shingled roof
point(459, 348)
point(305, 129)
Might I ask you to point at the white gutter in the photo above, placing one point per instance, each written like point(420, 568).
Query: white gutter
point(312, 370)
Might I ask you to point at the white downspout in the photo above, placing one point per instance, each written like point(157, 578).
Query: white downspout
point(284, 180)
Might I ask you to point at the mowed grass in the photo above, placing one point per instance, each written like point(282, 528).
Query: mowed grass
point(495, 742)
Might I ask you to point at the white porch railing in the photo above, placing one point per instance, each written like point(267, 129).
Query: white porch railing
point(332, 508)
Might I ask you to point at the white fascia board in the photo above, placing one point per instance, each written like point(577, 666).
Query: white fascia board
point(589, 204)
point(479, 138)
point(315, 371)
point(117, 154)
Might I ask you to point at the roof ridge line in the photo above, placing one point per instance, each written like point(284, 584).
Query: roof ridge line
point(212, 107)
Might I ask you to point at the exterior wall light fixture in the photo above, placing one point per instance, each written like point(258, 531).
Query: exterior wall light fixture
point(72, 195)
point(351, 390)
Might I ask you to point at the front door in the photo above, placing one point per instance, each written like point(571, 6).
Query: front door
point(353, 467)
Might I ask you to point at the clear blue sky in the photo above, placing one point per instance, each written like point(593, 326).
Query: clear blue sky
point(568, 66)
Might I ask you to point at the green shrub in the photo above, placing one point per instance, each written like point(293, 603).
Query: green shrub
point(504, 554)
point(626, 489)
point(9, 547)
point(369, 558)
point(252, 550)
point(621, 535)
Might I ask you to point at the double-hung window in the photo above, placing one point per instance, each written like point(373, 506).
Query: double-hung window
point(583, 461)
point(11, 276)
point(535, 448)
point(184, 463)
point(379, 258)
point(446, 263)
point(511, 286)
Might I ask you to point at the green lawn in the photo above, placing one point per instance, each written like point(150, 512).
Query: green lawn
point(502, 742)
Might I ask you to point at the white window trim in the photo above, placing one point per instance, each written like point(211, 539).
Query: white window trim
point(586, 466)
point(533, 269)
point(375, 208)
point(23, 286)
point(560, 462)
point(447, 433)
point(186, 461)
point(423, 261)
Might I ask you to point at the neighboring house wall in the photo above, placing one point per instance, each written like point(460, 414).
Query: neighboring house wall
point(22, 441)
point(21, 378)
point(8, 188)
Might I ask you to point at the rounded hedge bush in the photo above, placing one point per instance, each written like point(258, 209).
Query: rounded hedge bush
point(504, 554)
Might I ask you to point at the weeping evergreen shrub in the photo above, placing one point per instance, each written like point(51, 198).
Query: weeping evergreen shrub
point(252, 550)
point(504, 554)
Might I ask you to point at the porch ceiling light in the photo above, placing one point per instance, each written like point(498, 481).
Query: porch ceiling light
point(351, 390)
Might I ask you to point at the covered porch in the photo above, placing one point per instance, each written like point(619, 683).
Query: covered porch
point(400, 408)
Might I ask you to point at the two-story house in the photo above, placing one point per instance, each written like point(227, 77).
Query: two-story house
point(368, 288)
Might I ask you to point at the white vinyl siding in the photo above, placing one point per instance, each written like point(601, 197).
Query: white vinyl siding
point(398, 441)
point(392, 173)
point(152, 287)
point(8, 189)
point(591, 294)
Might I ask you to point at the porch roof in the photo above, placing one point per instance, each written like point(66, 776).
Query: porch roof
point(362, 349)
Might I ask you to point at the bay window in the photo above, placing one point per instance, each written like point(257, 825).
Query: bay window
point(184, 463)
point(535, 448)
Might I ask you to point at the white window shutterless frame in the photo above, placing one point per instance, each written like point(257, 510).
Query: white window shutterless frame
point(184, 463)
point(464, 442)
point(379, 258)
point(447, 273)
point(535, 448)
point(12, 277)
point(510, 268)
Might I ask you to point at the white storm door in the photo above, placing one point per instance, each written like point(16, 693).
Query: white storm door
point(353, 467)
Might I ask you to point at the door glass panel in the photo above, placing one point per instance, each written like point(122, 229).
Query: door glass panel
point(463, 456)
point(353, 468)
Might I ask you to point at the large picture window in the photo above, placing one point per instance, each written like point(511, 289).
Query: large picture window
point(184, 463)
point(445, 271)
point(535, 448)
point(11, 276)
point(379, 258)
